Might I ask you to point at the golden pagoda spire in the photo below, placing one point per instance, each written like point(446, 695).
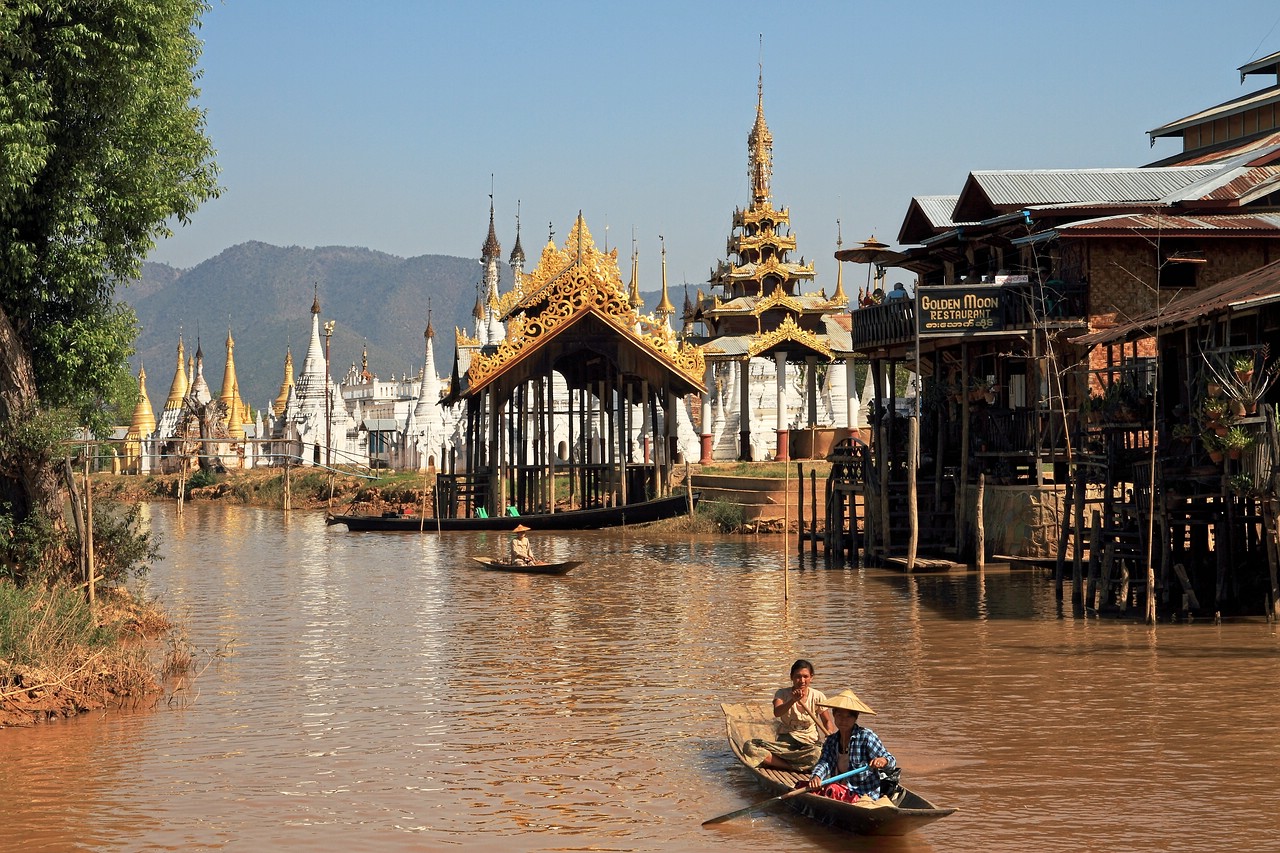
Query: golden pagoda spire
point(228, 395)
point(839, 297)
point(144, 419)
point(760, 144)
point(235, 423)
point(178, 387)
point(282, 399)
point(634, 297)
point(665, 309)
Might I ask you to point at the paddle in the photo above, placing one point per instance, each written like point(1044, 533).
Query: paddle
point(789, 794)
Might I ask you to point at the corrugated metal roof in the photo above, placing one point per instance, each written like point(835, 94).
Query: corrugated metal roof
point(1220, 152)
point(937, 209)
point(1235, 106)
point(1059, 186)
point(1259, 287)
point(1168, 224)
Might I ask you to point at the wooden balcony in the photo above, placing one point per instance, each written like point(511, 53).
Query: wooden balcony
point(1007, 307)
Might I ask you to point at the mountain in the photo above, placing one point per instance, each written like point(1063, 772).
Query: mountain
point(263, 294)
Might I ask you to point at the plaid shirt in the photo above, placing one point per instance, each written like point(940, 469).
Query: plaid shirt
point(863, 746)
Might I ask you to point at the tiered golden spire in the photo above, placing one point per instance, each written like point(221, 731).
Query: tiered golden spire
point(760, 149)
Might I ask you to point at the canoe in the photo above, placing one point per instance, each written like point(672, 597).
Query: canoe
point(561, 568)
point(573, 519)
point(903, 812)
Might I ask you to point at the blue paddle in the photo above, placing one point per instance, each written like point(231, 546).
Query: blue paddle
point(722, 818)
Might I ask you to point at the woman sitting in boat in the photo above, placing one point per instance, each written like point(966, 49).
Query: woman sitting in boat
point(521, 553)
point(851, 746)
point(802, 724)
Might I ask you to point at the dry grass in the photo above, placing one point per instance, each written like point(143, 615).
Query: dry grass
point(59, 658)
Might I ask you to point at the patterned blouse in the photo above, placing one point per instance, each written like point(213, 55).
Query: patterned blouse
point(864, 745)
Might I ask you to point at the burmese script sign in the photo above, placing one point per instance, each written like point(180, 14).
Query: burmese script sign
point(961, 308)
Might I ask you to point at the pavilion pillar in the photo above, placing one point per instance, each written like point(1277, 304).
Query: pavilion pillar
point(708, 376)
point(744, 410)
point(782, 454)
point(671, 420)
point(811, 382)
point(852, 403)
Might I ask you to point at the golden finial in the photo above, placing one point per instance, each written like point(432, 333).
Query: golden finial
point(839, 296)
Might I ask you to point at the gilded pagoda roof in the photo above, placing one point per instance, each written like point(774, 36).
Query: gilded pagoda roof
point(571, 282)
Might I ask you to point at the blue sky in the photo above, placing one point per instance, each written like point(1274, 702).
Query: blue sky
point(380, 123)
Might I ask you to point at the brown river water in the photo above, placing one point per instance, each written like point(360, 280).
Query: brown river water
point(380, 692)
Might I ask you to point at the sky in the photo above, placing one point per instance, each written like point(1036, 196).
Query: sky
point(388, 123)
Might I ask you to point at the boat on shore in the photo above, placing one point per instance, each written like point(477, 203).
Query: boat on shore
point(897, 814)
point(573, 519)
point(561, 568)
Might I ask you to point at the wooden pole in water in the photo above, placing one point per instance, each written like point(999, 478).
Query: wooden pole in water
point(800, 509)
point(913, 512)
point(288, 497)
point(813, 512)
point(88, 531)
point(786, 523)
point(979, 525)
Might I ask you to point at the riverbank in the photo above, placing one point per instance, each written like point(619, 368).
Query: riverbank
point(58, 658)
point(408, 492)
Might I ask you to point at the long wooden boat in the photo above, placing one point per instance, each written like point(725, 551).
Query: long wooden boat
point(574, 519)
point(898, 814)
point(561, 568)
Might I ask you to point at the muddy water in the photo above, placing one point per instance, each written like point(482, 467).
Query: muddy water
point(378, 692)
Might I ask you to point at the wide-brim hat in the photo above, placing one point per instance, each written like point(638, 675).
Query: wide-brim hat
point(849, 701)
point(520, 528)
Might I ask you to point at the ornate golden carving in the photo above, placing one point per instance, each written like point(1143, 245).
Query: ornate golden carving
point(778, 299)
point(787, 330)
point(572, 281)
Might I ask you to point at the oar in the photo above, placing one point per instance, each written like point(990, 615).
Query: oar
point(789, 794)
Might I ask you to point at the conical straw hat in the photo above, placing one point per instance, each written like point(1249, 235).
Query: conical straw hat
point(849, 701)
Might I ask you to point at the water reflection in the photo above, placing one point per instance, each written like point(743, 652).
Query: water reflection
point(380, 692)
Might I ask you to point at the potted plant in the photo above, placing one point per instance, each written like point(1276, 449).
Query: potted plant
point(1242, 366)
point(1215, 414)
point(1183, 433)
point(1240, 483)
point(1235, 441)
point(1213, 444)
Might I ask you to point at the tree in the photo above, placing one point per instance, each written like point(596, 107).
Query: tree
point(101, 146)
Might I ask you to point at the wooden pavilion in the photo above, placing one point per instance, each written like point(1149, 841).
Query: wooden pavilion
point(577, 353)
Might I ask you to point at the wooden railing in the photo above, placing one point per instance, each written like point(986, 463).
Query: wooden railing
point(1021, 306)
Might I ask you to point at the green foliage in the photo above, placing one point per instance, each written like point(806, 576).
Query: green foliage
point(1237, 438)
point(101, 145)
point(199, 480)
point(122, 545)
point(25, 542)
point(727, 517)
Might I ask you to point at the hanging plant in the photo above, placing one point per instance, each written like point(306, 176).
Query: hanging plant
point(1235, 441)
point(1213, 444)
point(1215, 414)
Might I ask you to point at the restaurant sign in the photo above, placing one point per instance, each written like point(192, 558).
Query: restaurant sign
point(960, 309)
